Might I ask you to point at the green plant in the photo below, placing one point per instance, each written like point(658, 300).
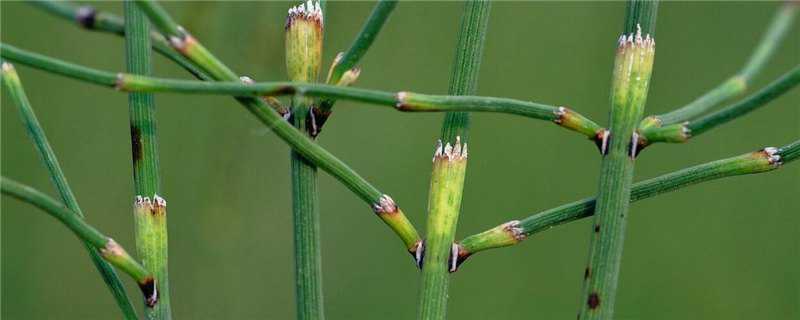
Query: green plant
point(310, 104)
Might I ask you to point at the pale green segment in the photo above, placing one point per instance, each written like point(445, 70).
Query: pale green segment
point(444, 204)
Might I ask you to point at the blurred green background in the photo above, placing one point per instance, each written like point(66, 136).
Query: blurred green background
point(722, 250)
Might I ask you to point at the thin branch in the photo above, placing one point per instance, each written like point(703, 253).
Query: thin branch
point(109, 249)
point(151, 229)
point(738, 83)
point(513, 232)
point(35, 131)
point(402, 101)
point(343, 71)
point(682, 132)
point(450, 166)
point(90, 18)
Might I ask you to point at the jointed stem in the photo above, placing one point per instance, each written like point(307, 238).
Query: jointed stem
point(632, 70)
point(511, 233)
point(17, 92)
point(109, 249)
point(402, 101)
point(738, 83)
point(150, 215)
point(449, 166)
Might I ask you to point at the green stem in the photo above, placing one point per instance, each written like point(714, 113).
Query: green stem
point(682, 132)
point(192, 49)
point(305, 208)
point(449, 167)
point(402, 101)
point(632, 71)
point(738, 83)
point(90, 19)
point(513, 232)
point(151, 225)
point(109, 249)
point(35, 131)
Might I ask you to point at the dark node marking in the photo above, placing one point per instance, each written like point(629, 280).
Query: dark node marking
point(598, 141)
point(285, 90)
point(320, 116)
point(418, 253)
point(594, 301)
point(596, 228)
point(586, 273)
point(149, 291)
point(85, 16)
point(460, 258)
point(136, 144)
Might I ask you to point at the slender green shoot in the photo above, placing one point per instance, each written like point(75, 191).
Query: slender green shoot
point(739, 82)
point(632, 71)
point(514, 231)
point(402, 101)
point(450, 167)
point(682, 132)
point(192, 49)
point(150, 216)
point(35, 131)
point(109, 249)
point(343, 71)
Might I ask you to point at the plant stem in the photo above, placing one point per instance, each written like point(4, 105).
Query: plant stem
point(513, 232)
point(303, 45)
point(305, 209)
point(402, 101)
point(109, 249)
point(632, 70)
point(449, 167)
point(682, 132)
point(35, 131)
point(738, 83)
point(150, 215)
point(90, 19)
point(192, 49)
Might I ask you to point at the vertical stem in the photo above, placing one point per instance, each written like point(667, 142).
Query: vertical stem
point(305, 209)
point(150, 213)
point(632, 70)
point(35, 131)
point(304, 33)
point(449, 167)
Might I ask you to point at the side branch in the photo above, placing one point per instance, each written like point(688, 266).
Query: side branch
point(682, 132)
point(738, 83)
point(513, 232)
point(402, 101)
point(109, 249)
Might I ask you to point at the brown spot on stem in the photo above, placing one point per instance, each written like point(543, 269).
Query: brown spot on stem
point(136, 144)
point(594, 301)
point(586, 273)
point(85, 16)
point(597, 228)
point(401, 101)
point(149, 291)
point(284, 90)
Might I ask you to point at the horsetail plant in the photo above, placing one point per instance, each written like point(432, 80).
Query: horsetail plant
point(149, 209)
point(311, 104)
